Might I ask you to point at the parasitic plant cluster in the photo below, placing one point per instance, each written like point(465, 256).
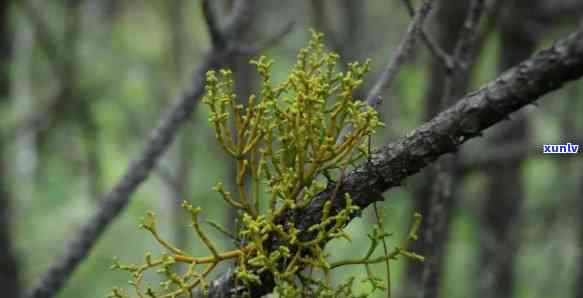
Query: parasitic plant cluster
point(286, 142)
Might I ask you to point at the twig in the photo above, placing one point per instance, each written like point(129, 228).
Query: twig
point(443, 57)
point(462, 50)
point(403, 51)
point(469, 33)
point(385, 250)
point(400, 56)
point(380, 223)
point(251, 49)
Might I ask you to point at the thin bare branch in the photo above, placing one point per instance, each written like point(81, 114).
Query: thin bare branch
point(462, 52)
point(403, 51)
point(438, 53)
point(251, 49)
point(468, 34)
point(400, 56)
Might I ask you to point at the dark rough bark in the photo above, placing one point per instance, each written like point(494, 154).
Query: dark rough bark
point(391, 165)
point(9, 273)
point(449, 18)
point(504, 188)
point(139, 170)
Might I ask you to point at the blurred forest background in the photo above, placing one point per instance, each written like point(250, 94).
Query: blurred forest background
point(83, 83)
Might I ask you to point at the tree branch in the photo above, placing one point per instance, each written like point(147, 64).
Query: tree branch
point(401, 54)
point(390, 166)
point(403, 51)
point(215, 34)
point(438, 53)
point(252, 49)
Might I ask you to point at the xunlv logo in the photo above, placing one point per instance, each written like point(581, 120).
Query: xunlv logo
point(561, 149)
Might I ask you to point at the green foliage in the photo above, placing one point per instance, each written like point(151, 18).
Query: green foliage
point(286, 140)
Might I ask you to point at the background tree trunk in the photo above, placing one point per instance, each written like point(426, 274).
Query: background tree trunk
point(504, 187)
point(448, 20)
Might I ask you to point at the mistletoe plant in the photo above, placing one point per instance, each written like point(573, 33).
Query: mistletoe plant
point(287, 142)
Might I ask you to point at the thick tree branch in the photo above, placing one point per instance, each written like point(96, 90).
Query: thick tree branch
point(138, 171)
point(390, 166)
point(522, 85)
